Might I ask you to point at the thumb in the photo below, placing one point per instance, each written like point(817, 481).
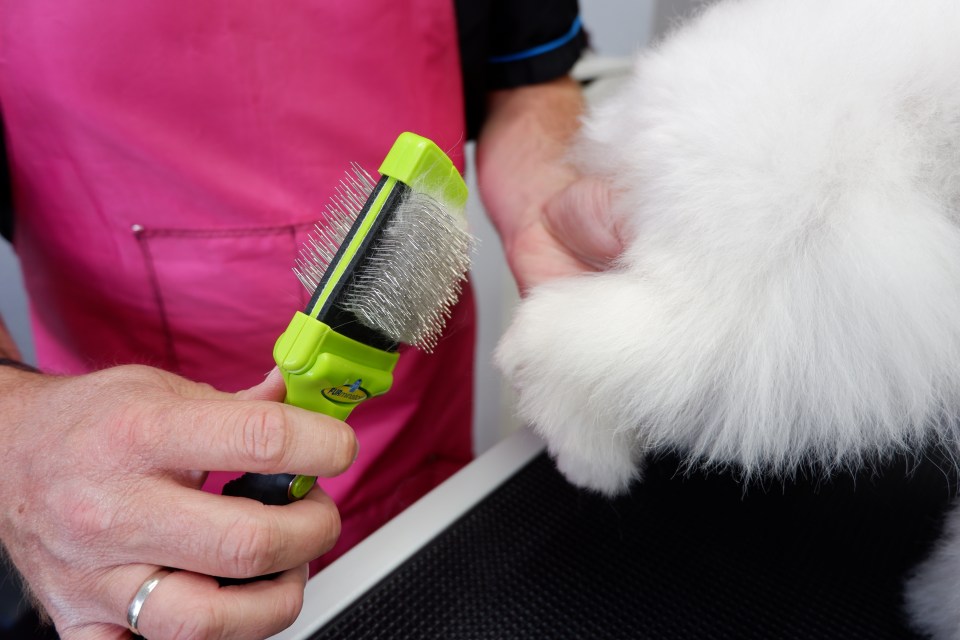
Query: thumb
point(579, 218)
point(272, 388)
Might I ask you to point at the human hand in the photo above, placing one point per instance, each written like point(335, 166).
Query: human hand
point(573, 232)
point(101, 487)
point(552, 222)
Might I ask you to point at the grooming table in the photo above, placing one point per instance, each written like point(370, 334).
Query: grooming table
point(507, 549)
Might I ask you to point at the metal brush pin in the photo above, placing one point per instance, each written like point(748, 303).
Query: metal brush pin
point(413, 274)
point(321, 247)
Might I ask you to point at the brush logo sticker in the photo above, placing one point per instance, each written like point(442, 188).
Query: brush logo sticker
point(351, 393)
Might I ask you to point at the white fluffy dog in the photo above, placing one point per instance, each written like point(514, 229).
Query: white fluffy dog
point(788, 176)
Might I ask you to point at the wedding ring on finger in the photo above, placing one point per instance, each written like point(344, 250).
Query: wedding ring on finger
point(136, 605)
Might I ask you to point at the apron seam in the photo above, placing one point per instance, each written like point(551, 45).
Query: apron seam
point(140, 234)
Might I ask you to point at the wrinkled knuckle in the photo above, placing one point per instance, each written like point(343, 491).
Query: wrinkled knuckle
point(266, 437)
point(328, 530)
point(250, 549)
point(200, 621)
point(289, 607)
point(341, 445)
point(138, 432)
point(87, 518)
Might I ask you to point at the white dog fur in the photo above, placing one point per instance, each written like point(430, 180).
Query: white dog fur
point(787, 173)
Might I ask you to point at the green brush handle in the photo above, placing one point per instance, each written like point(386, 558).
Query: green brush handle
point(325, 372)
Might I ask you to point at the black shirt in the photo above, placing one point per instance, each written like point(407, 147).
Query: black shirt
point(511, 43)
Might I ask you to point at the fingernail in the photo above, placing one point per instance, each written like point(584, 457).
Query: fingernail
point(275, 370)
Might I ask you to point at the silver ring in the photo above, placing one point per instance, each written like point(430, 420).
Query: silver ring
point(136, 605)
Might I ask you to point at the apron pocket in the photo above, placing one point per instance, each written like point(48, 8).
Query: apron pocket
point(224, 296)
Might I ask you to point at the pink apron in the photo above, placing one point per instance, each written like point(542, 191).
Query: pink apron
point(168, 160)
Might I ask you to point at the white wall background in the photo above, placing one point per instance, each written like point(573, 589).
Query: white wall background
point(13, 302)
point(617, 28)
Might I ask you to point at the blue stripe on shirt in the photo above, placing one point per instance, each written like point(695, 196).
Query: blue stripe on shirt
point(540, 49)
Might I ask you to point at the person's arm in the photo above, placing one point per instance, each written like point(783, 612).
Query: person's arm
point(101, 488)
point(552, 222)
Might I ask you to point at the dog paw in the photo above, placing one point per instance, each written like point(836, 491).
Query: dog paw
point(610, 477)
point(560, 355)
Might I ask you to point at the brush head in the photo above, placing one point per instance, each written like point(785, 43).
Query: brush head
point(409, 276)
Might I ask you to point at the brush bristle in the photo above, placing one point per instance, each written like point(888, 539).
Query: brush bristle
point(320, 248)
point(412, 275)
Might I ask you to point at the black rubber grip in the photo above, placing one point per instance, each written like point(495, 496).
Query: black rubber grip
point(268, 489)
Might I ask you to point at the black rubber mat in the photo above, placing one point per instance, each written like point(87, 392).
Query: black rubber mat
point(682, 557)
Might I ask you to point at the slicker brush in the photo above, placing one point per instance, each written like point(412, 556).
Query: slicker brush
point(384, 268)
